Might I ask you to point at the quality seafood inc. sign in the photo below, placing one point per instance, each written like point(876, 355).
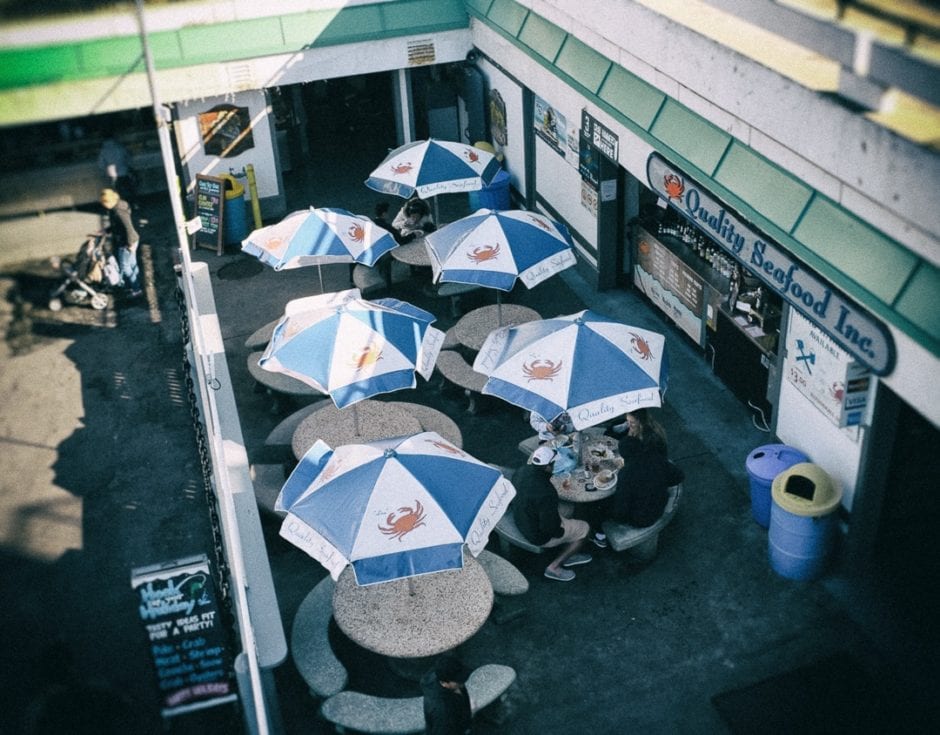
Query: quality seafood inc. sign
point(849, 326)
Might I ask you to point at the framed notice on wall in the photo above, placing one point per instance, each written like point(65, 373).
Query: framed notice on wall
point(178, 607)
point(210, 209)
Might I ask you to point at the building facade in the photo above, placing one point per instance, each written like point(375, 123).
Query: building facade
point(785, 230)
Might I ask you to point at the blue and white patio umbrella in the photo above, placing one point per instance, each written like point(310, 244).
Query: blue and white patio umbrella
point(588, 365)
point(392, 509)
point(352, 348)
point(319, 237)
point(432, 167)
point(494, 248)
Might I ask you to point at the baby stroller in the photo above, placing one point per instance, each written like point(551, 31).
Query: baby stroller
point(90, 277)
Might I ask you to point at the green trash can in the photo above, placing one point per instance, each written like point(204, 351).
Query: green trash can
point(802, 521)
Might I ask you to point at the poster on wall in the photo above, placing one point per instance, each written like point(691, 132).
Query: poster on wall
point(178, 607)
point(589, 198)
point(498, 118)
point(826, 374)
point(226, 131)
point(550, 126)
point(588, 161)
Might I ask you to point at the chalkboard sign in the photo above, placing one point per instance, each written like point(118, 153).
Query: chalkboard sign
point(210, 208)
point(188, 643)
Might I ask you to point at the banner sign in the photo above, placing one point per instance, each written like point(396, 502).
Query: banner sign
point(848, 325)
point(179, 611)
point(601, 137)
point(837, 385)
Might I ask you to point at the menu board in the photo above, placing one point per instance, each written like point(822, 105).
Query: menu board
point(671, 284)
point(210, 209)
point(188, 643)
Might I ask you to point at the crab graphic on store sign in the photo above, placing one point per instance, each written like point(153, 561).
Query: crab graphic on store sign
point(674, 186)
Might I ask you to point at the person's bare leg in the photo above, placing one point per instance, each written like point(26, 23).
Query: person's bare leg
point(566, 551)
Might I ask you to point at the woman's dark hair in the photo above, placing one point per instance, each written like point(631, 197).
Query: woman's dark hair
point(417, 206)
point(652, 434)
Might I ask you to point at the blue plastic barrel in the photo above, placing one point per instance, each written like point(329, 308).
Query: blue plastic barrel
point(494, 196)
point(763, 465)
point(236, 220)
point(802, 521)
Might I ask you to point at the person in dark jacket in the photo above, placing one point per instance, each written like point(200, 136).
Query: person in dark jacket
point(537, 515)
point(446, 702)
point(647, 474)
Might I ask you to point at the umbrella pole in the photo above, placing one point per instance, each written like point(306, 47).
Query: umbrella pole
point(355, 409)
point(411, 586)
point(320, 273)
point(499, 308)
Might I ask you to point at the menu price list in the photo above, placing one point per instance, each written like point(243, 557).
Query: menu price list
point(672, 273)
point(209, 203)
point(180, 614)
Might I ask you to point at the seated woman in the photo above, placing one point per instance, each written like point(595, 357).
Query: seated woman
point(413, 220)
point(643, 483)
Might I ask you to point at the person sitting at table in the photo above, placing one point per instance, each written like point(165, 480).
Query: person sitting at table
point(413, 220)
point(548, 430)
point(446, 702)
point(536, 512)
point(647, 474)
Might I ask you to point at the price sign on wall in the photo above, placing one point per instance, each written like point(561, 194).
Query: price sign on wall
point(179, 610)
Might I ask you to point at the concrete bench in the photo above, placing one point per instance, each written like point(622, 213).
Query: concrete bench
point(259, 339)
point(368, 714)
point(310, 643)
point(282, 434)
point(267, 480)
point(454, 291)
point(450, 339)
point(505, 578)
point(527, 446)
point(510, 535)
point(455, 369)
point(642, 542)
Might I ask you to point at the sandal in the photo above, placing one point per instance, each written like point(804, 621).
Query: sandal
point(562, 575)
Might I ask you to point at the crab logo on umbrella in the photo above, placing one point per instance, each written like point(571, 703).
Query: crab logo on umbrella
point(446, 447)
point(641, 346)
point(401, 169)
point(539, 223)
point(403, 521)
point(273, 244)
point(356, 232)
point(471, 155)
point(482, 253)
point(368, 355)
point(541, 369)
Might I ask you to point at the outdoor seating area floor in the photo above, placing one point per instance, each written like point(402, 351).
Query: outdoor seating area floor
point(624, 647)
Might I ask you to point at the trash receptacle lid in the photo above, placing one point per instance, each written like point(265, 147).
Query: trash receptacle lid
point(233, 187)
point(806, 489)
point(770, 460)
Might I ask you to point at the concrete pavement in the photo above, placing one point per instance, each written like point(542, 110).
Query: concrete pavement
point(100, 474)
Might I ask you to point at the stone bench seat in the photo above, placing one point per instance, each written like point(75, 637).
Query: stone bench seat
point(310, 643)
point(642, 542)
point(505, 578)
point(371, 281)
point(510, 535)
point(369, 714)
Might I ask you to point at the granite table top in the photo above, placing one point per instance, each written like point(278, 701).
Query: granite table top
point(433, 420)
point(413, 253)
point(417, 617)
point(475, 326)
point(278, 382)
point(598, 452)
point(362, 422)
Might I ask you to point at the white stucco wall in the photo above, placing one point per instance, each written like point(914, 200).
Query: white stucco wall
point(262, 156)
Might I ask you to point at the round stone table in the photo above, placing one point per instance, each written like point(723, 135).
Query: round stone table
point(475, 326)
point(418, 617)
point(338, 426)
point(278, 382)
point(413, 253)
